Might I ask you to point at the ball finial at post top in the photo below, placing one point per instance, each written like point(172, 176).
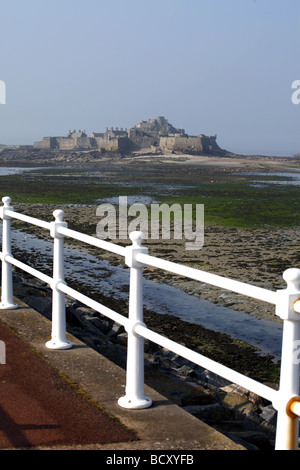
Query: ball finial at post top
point(137, 238)
point(59, 215)
point(6, 200)
point(292, 278)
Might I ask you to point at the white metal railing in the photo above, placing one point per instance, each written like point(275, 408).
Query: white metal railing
point(286, 400)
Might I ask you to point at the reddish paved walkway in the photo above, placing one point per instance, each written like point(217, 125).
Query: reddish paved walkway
point(39, 408)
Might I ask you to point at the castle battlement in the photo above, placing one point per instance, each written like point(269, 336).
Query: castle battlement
point(156, 132)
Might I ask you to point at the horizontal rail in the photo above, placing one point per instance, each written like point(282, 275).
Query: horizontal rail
point(136, 258)
point(218, 281)
point(120, 319)
point(28, 219)
point(202, 361)
point(213, 279)
point(119, 250)
point(34, 272)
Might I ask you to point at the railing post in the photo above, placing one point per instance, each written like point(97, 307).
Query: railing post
point(287, 422)
point(58, 338)
point(134, 394)
point(7, 301)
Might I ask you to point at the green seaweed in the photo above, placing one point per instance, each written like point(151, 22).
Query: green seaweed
point(231, 202)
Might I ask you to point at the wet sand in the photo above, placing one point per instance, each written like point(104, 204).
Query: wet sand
point(258, 256)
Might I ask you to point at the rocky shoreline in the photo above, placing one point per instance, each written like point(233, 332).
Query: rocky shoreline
point(257, 257)
point(243, 416)
point(27, 156)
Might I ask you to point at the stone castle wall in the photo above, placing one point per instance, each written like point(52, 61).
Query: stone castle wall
point(190, 144)
point(48, 143)
point(184, 144)
point(156, 133)
point(142, 140)
point(114, 144)
point(65, 143)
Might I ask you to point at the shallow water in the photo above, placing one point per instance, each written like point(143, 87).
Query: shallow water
point(110, 280)
point(100, 276)
point(13, 171)
point(288, 178)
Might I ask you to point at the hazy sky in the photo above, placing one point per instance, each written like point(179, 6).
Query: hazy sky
point(220, 67)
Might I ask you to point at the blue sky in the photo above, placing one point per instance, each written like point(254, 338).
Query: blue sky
point(220, 67)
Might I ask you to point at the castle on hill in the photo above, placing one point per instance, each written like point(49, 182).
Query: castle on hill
point(154, 134)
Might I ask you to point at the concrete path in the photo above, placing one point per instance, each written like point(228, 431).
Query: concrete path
point(68, 399)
